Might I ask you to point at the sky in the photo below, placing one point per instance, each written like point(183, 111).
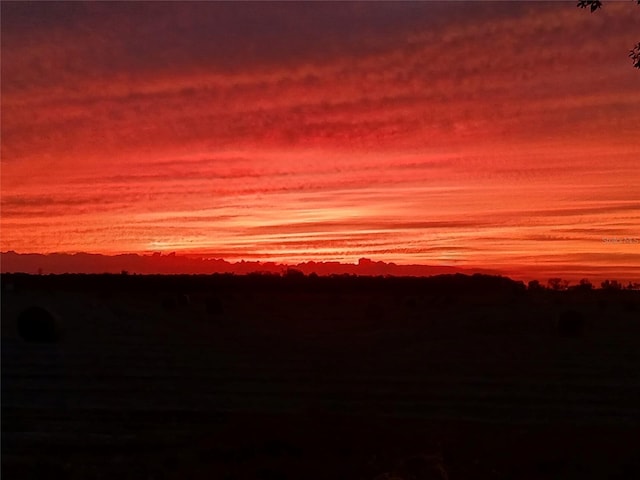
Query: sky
point(496, 135)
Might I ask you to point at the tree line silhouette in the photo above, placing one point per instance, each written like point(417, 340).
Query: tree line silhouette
point(293, 280)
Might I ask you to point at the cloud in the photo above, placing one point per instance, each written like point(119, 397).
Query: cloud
point(380, 96)
point(364, 127)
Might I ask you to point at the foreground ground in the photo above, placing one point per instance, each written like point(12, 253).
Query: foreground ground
point(238, 381)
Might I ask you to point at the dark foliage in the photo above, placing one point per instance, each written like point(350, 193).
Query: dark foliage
point(634, 54)
point(36, 324)
point(534, 286)
point(557, 284)
point(340, 285)
point(611, 285)
point(593, 5)
point(584, 286)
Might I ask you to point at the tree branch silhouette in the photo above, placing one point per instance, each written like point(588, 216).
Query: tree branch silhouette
point(594, 5)
point(634, 54)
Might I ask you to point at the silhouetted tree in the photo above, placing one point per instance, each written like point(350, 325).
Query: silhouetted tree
point(594, 5)
point(584, 285)
point(294, 274)
point(534, 286)
point(611, 285)
point(557, 284)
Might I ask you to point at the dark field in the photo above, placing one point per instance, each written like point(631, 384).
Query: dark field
point(227, 377)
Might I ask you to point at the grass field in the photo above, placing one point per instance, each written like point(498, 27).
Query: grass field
point(310, 384)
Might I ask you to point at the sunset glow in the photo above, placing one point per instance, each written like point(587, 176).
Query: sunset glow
point(495, 135)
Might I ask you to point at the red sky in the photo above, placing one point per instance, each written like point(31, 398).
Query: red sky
point(493, 135)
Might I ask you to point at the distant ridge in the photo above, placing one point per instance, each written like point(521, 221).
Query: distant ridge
point(57, 263)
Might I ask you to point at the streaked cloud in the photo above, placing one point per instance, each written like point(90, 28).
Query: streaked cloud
point(466, 133)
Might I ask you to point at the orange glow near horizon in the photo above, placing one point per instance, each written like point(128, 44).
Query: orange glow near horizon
point(505, 141)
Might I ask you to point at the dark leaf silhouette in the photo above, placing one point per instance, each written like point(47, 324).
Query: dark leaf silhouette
point(591, 4)
point(594, 5)
point(634, 54)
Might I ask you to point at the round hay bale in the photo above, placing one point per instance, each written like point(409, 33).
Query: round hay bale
point(38, 325)
point(571, 324)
